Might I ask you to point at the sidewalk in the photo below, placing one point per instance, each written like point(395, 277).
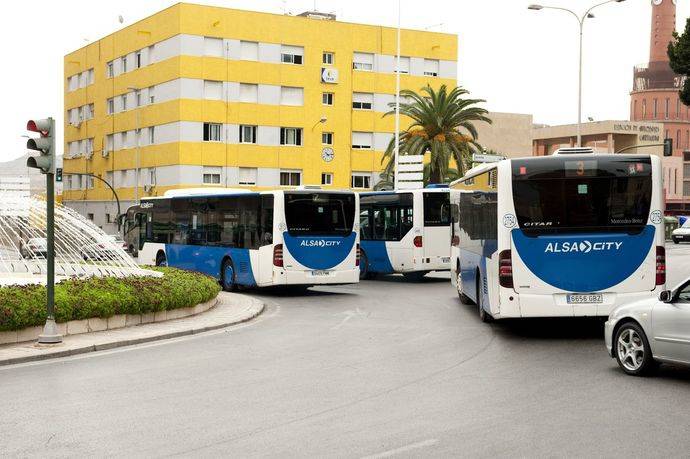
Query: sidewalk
point(231, 309)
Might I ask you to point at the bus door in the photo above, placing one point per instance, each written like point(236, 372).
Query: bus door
point(436, 234)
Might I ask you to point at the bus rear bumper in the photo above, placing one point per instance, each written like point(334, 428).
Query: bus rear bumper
point(556, 305)
point(350, 276)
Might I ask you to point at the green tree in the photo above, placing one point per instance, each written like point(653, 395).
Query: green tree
point(442, 125)
point(679, 56)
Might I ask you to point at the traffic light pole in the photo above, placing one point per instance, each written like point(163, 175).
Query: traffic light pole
point(50, 334)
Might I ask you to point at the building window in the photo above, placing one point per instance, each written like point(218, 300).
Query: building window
point(327, 178)
point(327, 138)
point(327, 98)
point(362, 101)
point(656, 113)
point(123, 64)
point(123, 102)
point(109, 143)
point(152, 135)
point(678, 139)
point(137, 59)
point(363, 61)
point(328, 58)
point(109, 70)
point(110, 106)
point(404, 65)
point(152, 54)
point(247, 134)
point(666, 111)
point(678, 108)
point(249, 93)
point(248, 175)
point(211, 175)
point(213, 90)
point(137, 98)
point(291, 136)
point(362, 140)
point(291, 54)
point(431, 67)
point(687, 139)
point(290, 178)
point(89, 216)
point(123, 139)
point(213, 46)
point(291, 96)
point(249, 51)
point(108, 218)
point(361, 180)
point(644, 108)
point(152, 94)
point(212, 132)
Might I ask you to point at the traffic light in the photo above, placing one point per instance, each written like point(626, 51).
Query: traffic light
point(58, 174)
point(668, 147)
point(44, 144)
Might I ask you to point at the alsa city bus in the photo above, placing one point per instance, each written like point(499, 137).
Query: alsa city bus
point(405, 232)
point(243, 238)
point(562, 235)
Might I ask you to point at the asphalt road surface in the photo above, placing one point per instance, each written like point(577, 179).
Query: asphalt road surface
point(383, 369)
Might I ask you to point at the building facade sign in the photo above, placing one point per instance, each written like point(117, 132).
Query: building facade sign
point(329, 75)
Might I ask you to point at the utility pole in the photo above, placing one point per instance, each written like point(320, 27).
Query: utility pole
point(45, 162)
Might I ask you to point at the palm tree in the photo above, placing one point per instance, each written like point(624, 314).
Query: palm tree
point(443, 125)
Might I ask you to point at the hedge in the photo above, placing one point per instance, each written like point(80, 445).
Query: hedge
point(75, 299)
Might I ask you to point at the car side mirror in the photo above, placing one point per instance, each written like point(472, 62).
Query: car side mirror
point(665, 296)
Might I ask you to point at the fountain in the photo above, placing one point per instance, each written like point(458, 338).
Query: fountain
point(81, 248)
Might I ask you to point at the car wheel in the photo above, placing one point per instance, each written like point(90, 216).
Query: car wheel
point(483, 315)
point(161, 260)
point(227, 276)
point(632, 350)
point(363, 266)
point(464, 299)
point(415, 276)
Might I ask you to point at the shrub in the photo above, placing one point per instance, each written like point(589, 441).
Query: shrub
point(24, 306)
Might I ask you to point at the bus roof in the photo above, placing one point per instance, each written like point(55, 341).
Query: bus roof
point(476, 170)
point(416, 190)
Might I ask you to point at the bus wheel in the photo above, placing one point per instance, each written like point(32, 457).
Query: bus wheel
point(161, 259)
point(364, 272)
point(227, 276)
point(464, 299)
point(415, 276)
point(483, 315)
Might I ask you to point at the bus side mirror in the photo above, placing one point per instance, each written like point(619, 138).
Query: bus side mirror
point(665, 296)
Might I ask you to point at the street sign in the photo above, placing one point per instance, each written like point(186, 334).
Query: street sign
point(484, 158)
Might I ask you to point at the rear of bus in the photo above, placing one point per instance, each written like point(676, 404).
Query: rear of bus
point(316, 240)
point(587, 234)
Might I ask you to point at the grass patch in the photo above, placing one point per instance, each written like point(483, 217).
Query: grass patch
point(25, 306)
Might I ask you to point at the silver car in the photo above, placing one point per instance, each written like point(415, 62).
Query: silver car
point(641, 334)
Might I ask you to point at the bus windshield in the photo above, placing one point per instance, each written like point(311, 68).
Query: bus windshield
point(325, 214)
point(577, 194)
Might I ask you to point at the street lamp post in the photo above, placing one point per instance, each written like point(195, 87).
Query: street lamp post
point(581, 21)
point(396, 147)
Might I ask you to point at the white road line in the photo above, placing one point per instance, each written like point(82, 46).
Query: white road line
point(403, 449)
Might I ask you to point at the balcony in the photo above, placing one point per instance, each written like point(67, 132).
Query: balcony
point(656, 75)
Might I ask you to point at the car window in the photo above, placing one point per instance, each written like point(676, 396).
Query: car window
point(684, 293)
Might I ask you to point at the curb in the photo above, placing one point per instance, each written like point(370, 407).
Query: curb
point(254, 309)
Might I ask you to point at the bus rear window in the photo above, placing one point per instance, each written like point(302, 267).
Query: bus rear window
point(322, 214)
point(566, 195)
point(436, 209)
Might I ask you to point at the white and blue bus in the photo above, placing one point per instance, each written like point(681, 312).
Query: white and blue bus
point(250, 239)
point(562, 235)
point(405, 232)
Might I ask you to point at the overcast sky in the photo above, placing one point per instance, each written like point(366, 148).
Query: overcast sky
point(518, 60)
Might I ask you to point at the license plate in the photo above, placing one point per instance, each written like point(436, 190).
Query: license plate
point(445, 260)
point(585, 298)
point(320, 273)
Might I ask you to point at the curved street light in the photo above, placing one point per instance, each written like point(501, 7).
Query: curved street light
point(581, 21)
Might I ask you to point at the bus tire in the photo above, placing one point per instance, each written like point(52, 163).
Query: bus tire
point(464, 299)
point(364, 272)
point(415, 276)
point(161, 259)
point(227, 276)
point(483, 315)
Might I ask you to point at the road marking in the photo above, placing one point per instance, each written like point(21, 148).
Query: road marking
point(349, 314)
point(403, 449)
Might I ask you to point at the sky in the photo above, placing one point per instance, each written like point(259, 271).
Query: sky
point(516, 59)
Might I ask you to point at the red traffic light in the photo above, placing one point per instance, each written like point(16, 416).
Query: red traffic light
point(40, 126)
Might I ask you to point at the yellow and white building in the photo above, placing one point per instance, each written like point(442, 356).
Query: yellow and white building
point(205, 96)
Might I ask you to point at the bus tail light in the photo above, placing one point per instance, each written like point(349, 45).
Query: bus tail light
point(505, 269)
point(660, 265)
point(278, 255)
point(418, 241)
point(455, 241)
point(359, 255)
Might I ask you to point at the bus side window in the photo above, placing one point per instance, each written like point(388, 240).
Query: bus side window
point(266, 227)
point(365, 224)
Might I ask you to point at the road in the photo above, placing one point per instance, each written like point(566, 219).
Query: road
point(383, 369)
